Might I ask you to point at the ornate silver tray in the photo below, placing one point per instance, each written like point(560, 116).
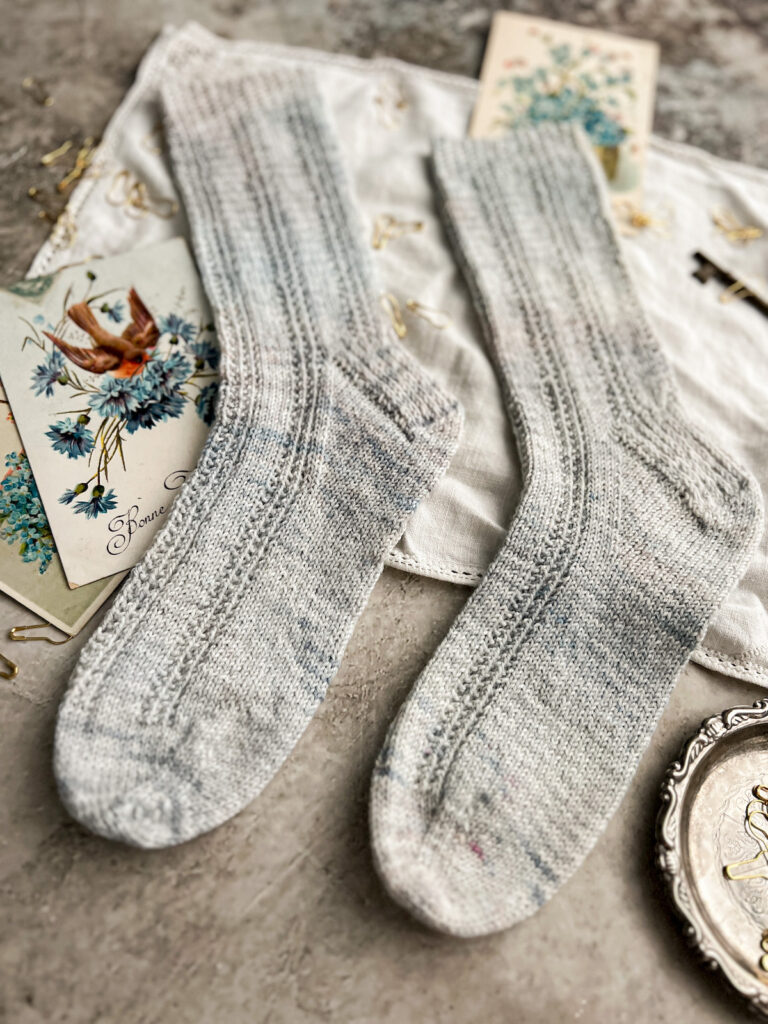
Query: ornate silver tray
point(712, 846)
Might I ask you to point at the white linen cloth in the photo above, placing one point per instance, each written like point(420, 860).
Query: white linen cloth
point(386, 115)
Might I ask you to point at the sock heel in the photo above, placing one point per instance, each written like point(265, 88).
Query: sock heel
point(396, 385)
point(707, 480)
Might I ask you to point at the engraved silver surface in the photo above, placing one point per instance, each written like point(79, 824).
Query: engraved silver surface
point(704, 826)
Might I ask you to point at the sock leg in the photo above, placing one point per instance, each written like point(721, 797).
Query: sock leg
point(524, 731)
point(220, 647)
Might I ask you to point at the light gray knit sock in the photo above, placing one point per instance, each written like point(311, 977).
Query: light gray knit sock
point(220, 647)
point(524, 731)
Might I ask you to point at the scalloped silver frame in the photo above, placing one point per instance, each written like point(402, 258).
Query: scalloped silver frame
point(668, 850)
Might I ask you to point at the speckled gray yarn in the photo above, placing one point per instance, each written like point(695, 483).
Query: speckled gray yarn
point(524, 731)
point(220, 647)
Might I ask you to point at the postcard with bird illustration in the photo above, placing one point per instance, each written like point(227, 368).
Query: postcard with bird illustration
point(30, 568)
point(111, 371)
point(538, 70)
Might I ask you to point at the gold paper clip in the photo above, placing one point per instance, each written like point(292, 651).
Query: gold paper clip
point(153, 140)
point(733, 229)
point(134, 197)
point(633, 219)
point(50, 158)
point(82, 162)
point(46, 212)
point(37, 91)
point(390, 103)
point(386, 227)
point(15, 634)
point(435, 317)
point(735, 291)
point(756, 821)
point(13, 668)
point(752, 867)
point(390, 305)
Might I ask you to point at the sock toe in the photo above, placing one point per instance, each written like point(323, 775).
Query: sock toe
point(414, 877)
point(142, 814)
point(443, 877)
point(146, 817)
point(126, 799)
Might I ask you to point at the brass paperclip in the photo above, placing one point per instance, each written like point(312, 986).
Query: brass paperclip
point(37, 90)
point(386, 227)
point(13, 668)
point(736, 232)
point(50, 158)
point(83, 161)
point(391, 306)
point(15, 634)
point(756, 821)
point(734, 291)
point(435, 317)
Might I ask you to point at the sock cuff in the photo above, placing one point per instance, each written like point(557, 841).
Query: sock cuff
point(532, 207)
point(269, 201)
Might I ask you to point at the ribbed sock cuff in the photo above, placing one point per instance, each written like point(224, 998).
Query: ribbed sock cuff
point(531, 208)
point(268, 200)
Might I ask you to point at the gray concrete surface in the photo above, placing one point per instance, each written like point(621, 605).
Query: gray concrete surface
point(277, 916)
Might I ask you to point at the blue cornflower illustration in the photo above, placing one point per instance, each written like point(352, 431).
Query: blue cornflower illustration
point(206, 352)
point(157, 392)
point(143, 418)
point(98, 502)
point(205, 403)
point(163, 375)
point(115, 312)
point(177, 327)
point(159, 407)
point(118, 396)
point(22, 518)
point(69, 495)
point(45, 375)
point(71, 437)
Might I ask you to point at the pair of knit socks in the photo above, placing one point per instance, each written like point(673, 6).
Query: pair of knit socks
point(523, 732)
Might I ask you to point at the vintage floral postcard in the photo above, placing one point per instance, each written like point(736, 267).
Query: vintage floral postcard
point(30, 569)
point(539, 70)
point(111, 371)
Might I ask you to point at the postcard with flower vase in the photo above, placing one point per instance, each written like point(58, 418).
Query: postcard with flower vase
point(111, 371)
point(539, 70)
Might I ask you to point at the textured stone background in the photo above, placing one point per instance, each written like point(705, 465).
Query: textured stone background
point(278, 917)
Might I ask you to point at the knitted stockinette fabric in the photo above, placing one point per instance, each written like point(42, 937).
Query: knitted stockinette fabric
point(524, 731)
point(220, 647)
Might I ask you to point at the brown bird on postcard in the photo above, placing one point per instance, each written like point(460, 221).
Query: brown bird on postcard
point(122, 355)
